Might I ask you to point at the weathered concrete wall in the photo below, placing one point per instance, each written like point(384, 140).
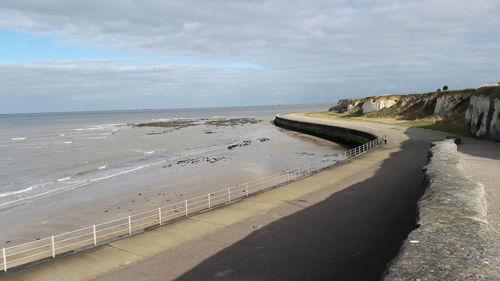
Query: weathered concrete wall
point(453, 241)
point(344, 136)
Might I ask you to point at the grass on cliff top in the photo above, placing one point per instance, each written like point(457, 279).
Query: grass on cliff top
point(492, 91)
point(450, 126)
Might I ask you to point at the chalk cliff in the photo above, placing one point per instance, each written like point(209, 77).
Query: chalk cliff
point(478, 109)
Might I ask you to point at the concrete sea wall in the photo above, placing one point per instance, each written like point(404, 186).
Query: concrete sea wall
point(344, 136)
point(453, 240)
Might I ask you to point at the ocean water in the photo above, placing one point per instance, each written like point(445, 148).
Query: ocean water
point(50, 153)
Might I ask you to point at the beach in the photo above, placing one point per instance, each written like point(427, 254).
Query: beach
point(195, 166)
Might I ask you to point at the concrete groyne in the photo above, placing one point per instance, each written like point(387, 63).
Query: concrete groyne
point(344, 136)
point(452, 241)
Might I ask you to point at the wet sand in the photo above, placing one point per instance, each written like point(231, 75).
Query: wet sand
point(271, 150)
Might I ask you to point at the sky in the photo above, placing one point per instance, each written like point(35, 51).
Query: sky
point(78, 55)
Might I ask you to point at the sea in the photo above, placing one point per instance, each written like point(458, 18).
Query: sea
point(42, 154)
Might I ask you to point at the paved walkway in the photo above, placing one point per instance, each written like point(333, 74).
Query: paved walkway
point(481, 162)
point(341, 224)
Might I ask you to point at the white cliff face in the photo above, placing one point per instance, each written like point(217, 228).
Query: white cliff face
point(376, 105)
point(482, 115)
point(477, 115)
point(495, 121)
point(445, 104)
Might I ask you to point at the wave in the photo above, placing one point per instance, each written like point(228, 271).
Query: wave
point(114, 172)
point(63, 179)
point(29, 188)
point(171, 119)
point(95, 138)
point(104, 126)
point(64, 188)
point(19, 138)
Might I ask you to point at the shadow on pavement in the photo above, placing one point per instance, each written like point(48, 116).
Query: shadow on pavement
point(351, 235)
point(480, 148)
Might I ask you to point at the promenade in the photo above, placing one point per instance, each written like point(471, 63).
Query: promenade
point(344, 223)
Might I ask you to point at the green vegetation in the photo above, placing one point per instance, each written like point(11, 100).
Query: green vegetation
point(417, 113)
point(448, 126)
point(387, 112)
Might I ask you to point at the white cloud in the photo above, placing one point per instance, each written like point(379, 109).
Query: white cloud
point(191, 26)
point(316, 50)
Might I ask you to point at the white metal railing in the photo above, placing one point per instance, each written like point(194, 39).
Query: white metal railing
point(103, 233)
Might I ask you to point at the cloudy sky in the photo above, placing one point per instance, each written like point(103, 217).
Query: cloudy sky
point(58, 55)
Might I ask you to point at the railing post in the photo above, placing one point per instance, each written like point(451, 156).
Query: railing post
point(186, 207)
point(53, 246)
point(95, 235)
point(246, 189)
point(4, 260)
point(209, 202)
point(129, 225)
point(229, 195)
point(159, 216)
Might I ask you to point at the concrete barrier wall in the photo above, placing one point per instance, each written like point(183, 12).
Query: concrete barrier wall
point(347, 137)
point(453, 240)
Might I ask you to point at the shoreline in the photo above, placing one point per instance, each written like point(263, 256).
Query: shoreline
point(229, 217)
point(156, 186)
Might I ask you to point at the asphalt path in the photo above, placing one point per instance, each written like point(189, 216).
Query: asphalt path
point(348, 231)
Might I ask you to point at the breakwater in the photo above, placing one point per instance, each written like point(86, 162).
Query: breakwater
point(344, 136)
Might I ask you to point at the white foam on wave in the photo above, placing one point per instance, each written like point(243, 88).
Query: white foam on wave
point(29, 188)
point(19, 138)
point(71, 186)
point(149, 152)
point(74, 185)
point(63, 179)
point(61, 135)
point(170, 119)
point(105, 126)
point(68, 142)
point(95, 138)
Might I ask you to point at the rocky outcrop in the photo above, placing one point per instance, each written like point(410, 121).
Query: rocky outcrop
point(377, 104)
point(453, 240)
point(445, 104)
point(482, 116)
point(495, 122)
point(476, 109)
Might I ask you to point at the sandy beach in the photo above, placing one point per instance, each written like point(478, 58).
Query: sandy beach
point(274, 150)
